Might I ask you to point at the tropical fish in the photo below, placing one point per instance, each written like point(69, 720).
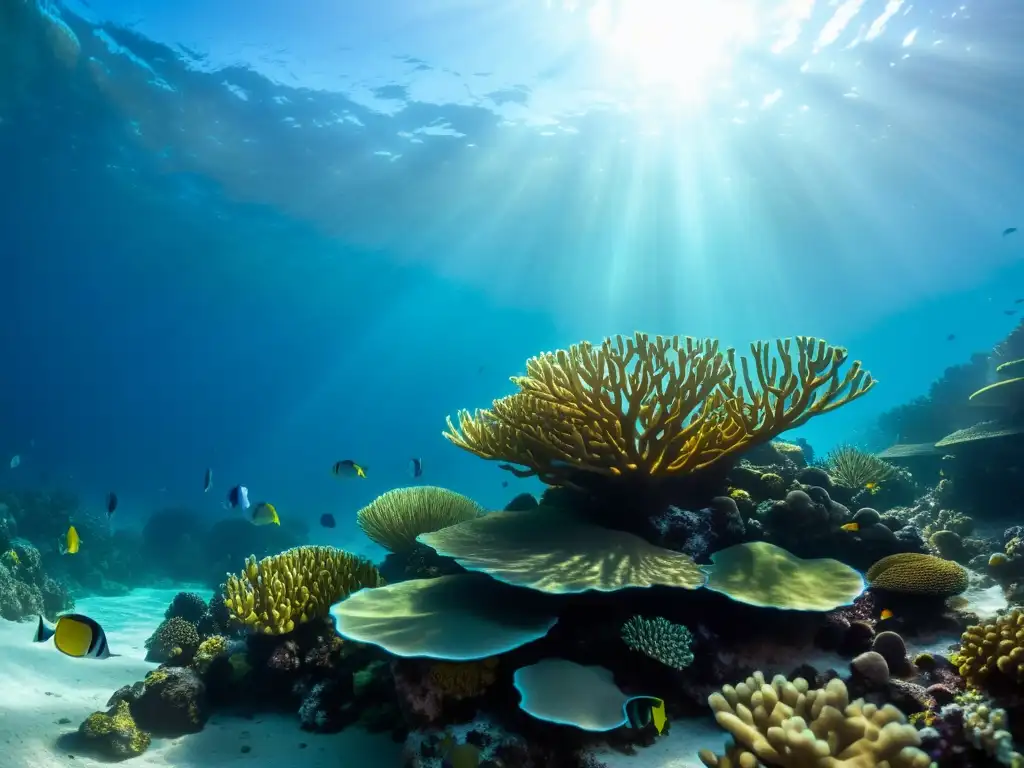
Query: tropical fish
point(951, 337)
point(44, 631)
point(645, 710)
point(208, 481)
point(10, 556)
point(852, 527)
point(347, 468)
point(327, 520)
point(886, 614)
point(265, 514)
point(504, 483)
point(70, 543)
point(111, 503)
point(1010, 312)
point(15, 460)
point(79, 636)
point(416, 467)
point(873, 487)
point(1009, 231)
point(237, 497)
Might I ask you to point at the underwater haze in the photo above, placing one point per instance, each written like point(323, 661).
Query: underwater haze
point(264, 238)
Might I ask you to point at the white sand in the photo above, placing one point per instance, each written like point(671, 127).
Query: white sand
point(40, 688)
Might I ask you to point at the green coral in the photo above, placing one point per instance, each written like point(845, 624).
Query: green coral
point(115, 733)
point(211, 649)
point(175, 639)
point(394, 519)
point(854, 468)
point(660, 639)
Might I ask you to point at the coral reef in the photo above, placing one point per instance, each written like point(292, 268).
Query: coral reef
point(282, 591)
point(659, 639)
point(918, 574)
point(394, 519)
point(114, 733)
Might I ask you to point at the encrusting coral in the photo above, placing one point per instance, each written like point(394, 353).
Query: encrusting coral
point(785, 723)
point(395, 518)
point(463, 679)
point(115, 733)
point(992, 650)
point(659, 639)
point(912, 573)
point(279, 592)
point(655, 406)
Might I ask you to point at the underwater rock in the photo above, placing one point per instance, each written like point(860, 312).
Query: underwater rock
point(892, 648)
point(871, 667)
point(174, 639)
point(114, 734)
point(522, 503)
point(170, 702)
point(188, 606)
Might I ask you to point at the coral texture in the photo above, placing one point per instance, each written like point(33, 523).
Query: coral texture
point(655, 406)
point(282, 591)
point(992, 649)
point(913, 573)
point(115, 733)
point(659, 639)
point(394, 519)
point(175, 638)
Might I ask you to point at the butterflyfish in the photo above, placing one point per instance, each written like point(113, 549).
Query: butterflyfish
point(44, 631)
point(347, 468)
point(265, 514)
point(642, 711)
point(238, 497)
point(327, 520)
point(79, 636)
point(208, 481)
point(71, 542)
point(886, 614)
point(853, 527)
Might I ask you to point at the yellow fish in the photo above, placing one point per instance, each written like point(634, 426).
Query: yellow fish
point(79, 636)
point(886, 614)
point(12, 557)
point(348, 468)
point(852, 527)
point(642, 711)
point(265, 514)
point(71, 542)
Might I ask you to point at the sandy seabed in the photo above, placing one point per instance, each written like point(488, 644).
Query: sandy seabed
point(44, 695)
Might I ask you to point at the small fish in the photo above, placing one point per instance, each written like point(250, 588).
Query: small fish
point(208, 481)
point(416, 467)
point(79, 636)
point(347, 468)
point(504, 483)
point(852, 527)
point(1009, 311)
point(70, 543)
point(111, 503)
point(1009, 231)
point(872, 488)
point(265, 514)
point(44, 631)
point(951, 337)
point(1018, 301)
point(885, 614)
point(645, 710)
point(327, 520)
point(237, 497)
point(10, 556)
point(15, 461)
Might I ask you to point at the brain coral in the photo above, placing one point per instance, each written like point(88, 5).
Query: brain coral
point(913, 573)
point(174, 638)
point(302, 583)
point(994, 649)
point(394, 519)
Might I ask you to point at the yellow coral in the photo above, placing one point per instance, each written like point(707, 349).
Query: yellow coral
point(394, 519)
point(209, 650)
point(116, 730)
point(740, 495)
point(993, 649)
point(785, 724)
point(282, 591)
point(773, 483)
point(463, 679)
point(655, 406)
point(913, 573)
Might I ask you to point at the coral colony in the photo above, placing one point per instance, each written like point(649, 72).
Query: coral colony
point(683, 562)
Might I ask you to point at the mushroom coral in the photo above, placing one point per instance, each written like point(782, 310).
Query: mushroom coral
point(655, 406)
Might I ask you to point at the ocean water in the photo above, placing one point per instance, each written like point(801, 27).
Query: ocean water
point(264, 237)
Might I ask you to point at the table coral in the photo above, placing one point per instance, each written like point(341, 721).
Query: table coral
point(786, 724)
point(655, 406)
point(282, 591)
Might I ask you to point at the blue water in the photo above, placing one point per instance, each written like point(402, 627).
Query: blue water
point(263, 238)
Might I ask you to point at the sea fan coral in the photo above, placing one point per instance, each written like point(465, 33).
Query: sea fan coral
point(282, 591)
point(655, 406)
point(394, 519)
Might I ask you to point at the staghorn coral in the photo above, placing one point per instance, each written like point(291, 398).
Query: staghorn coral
point(912, 573)
point(463, 679)
point(993, 650)
point(282, 591)
point(175, 639)
point(654, 406)
point(114, 733)
point(394, 519)
point(854, 468)
point(659, 639)
point(786, 724)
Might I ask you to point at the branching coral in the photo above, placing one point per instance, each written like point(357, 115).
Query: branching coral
point(282, 591)
point(854, 468)
point(394, 519)
point(659, 639)
point(786, 724)
point(655, 406)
